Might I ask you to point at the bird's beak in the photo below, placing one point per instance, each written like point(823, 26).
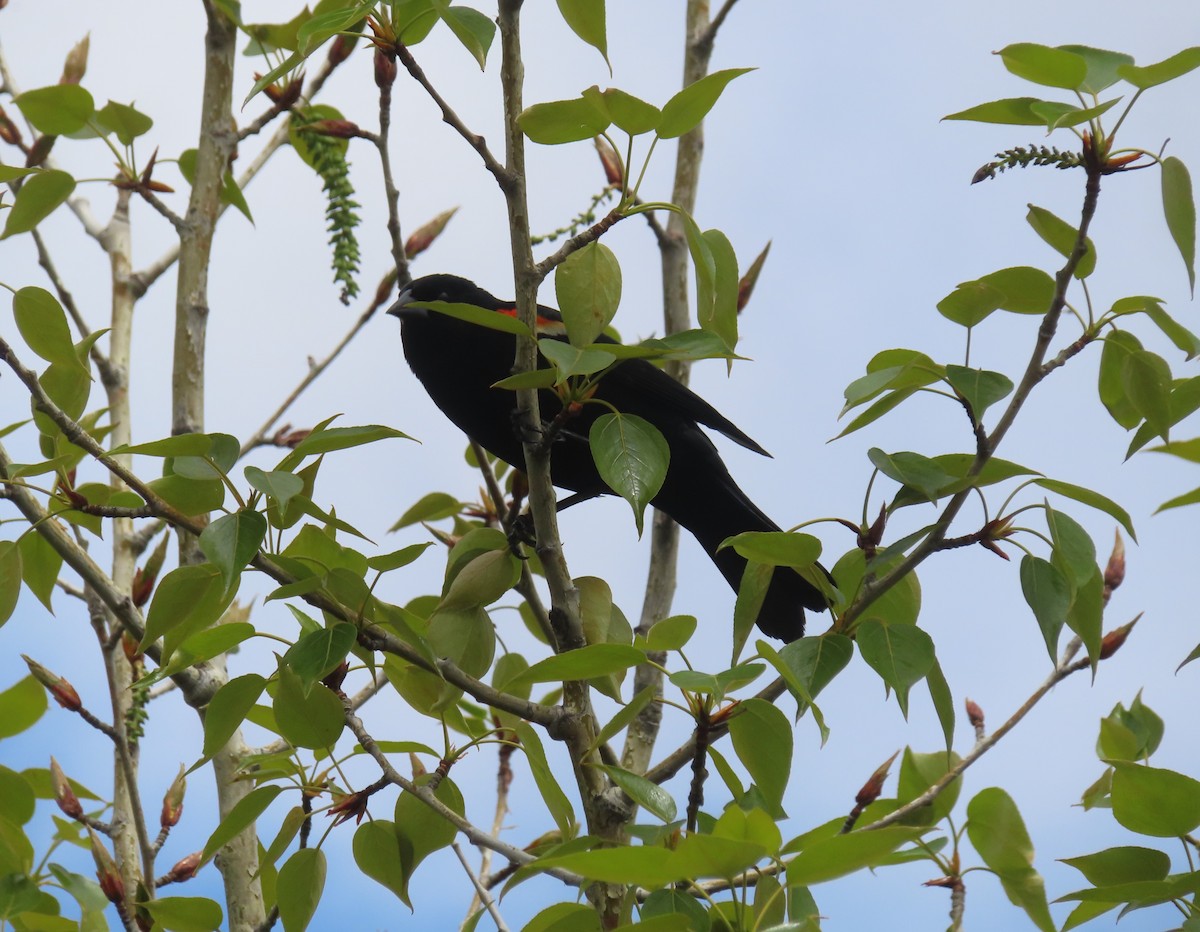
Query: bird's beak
point(403, 308)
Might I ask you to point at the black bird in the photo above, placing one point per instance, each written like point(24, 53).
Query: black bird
point(458, 362)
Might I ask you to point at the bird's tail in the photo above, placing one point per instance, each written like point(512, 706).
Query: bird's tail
point(702, 497)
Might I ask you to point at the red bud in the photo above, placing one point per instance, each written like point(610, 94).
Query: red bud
point(67, 801)
point(423, 237)
point(338, 129)
point(614, 172)
point(172, 807)
point(9, 132)
point(76, 64)
point(340, 49)
point(186, 868)
point(106, 870)
point(385, 68)
point(974, 714)
point(874, 786)
point(1112, 641)
point(62, 691)
point(1114, 572)
point(337, 676)
point(39, 151)
point(750, 279)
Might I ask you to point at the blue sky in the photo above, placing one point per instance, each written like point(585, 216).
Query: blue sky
point(832, 150)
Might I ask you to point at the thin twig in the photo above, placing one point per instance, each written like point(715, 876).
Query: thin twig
point(503, 176)
point(480, 892)
point(704, 40)
point(315, 371)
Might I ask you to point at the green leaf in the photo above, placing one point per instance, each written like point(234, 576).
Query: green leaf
point(386, 562)
point(1153, 801)
point(1124, 864)
point(1090, 498)
point(124, 120)
point(343, 438)
point(588, 287)
point(59, 110)
point(762, 739)
point(1102, 66)
point(979, 388)
point(281, 486)
point(632, 457)
point(308, 720)
point(431, 507)
point(43, 326)
point(299, 887)
point(911, 469)
point(1012, 111)
point(1074, 552)
point(714, 856)
point(473, 29)
point(228, 709)
point(918, 772)
point(186, 600)
point(900, 654)
point(12, 173)
point(560, 121)
point(1161, 72)
point(970, 303)
point(1057, 115)
point(1044, 65)
point(244, 813)
point(571, 361)
point(422, 831)
point(1180, 210)
point(776, 548)
point(1119, 347)
point(1048, 593)
point(552, 795)
point(378, 854)
point(630, 113)
point(643, 865)
point(10, 578)
point(622, 719)
point(1146, 378)
point(587, 20)
point(721, 316)
point(683, 112)
point(40, 565)
point(204, 645)
point(1026, 290)
point(39, 197)
point(815, 661)
point(582, 663)
point(839, 855)
point(21, 705)
point(650, 796)
point(564, 917)
point(232, 540)
point(482, 581)
point(671, 633)
point(998, 833)
point(942, 699)
point(317, 653)
point(1060, 235)
point(184, 913)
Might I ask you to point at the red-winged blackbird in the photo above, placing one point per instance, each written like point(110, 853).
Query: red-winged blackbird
point(458, 362)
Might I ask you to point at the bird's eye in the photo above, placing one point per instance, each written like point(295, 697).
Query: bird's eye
point(442, 296)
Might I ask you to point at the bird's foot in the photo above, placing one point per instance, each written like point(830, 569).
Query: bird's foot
point(521, 532)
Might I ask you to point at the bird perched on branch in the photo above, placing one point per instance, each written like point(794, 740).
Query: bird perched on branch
point(458, 362)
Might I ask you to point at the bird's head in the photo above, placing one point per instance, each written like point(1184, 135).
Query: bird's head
point(452, 289)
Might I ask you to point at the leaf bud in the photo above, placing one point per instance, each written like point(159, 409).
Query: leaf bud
point(64, 796)
point(172, 807)
point(62, 691)
point(614, 171)
point(422, 238)
point(385, 69)
point(750, 279)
